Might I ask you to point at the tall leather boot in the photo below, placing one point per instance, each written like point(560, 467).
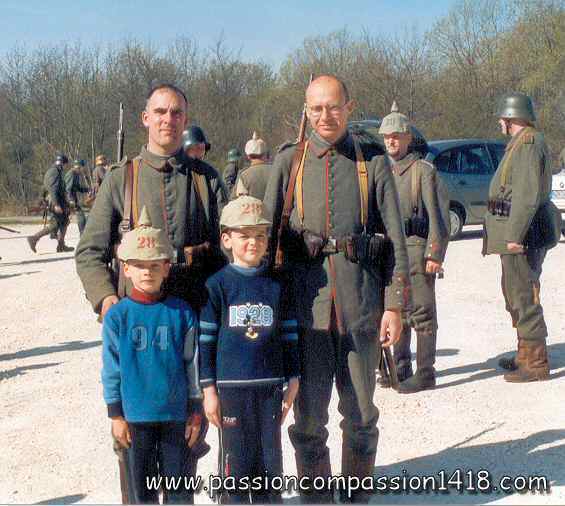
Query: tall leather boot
point(534, 366)
point(360, 466)
point(425, 377)
point(32, 240)
point(61, 246)
point(310, 469)
point(512, 363)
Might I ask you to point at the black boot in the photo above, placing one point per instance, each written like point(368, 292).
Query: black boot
point(361, 466)
point(32, 240)
point(321, 467)
point(425, 377)
point(61, 246)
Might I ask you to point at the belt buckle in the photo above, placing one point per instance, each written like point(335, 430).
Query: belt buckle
point(330, 247)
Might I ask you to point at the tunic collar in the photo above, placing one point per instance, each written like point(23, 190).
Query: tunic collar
point(145, 298)
point(162, 163)
point(320, 146)
point(401, 166)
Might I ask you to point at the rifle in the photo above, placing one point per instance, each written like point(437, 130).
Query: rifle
point(120, 148)
point(287, 207)
point(9, 229)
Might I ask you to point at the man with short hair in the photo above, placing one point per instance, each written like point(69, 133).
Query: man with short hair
point(520, 226)
point(253, 180)
point(348, 302)
point(181, 196)
point(424, 205)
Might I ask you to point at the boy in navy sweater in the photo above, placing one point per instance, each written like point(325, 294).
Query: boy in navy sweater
point(149, 373)
point(248, 349)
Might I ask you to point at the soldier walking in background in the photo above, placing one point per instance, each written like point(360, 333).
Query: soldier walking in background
point(58, 206)
point(521, 225)
point(424, 206)
point(74, 186)
point(341, 194)
point(232, 169)
point(253, 180)
point(99, 172)
point(195, 144)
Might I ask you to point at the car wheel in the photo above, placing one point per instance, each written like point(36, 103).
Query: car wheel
point(455, 222)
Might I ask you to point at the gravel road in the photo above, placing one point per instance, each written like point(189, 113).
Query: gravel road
point(55, 434)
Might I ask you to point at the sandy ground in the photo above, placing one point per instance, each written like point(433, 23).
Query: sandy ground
point(55, 435)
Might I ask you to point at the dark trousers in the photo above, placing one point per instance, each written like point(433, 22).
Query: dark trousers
point(159, 450)
point(250, 439)
point(325, 356)
point(521, 290)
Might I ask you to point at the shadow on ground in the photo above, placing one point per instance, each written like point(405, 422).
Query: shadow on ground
point(489, 368)
point(38, 261)
point(540, 454)
point(66, 499)
point(44, 350)
point(6, 276)
point(19, 371)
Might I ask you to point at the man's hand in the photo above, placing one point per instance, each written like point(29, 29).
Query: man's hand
point(212, 406)
point(121, 432)
point(107, 303)
point(391, 327)
point(433, 267)
point(289, 396)
point(514, 247)
point(192, 430)
point(57, 209)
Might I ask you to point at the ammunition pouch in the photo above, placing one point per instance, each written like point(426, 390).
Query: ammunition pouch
point(499, 207)
point(416, 225)
point(545, 229)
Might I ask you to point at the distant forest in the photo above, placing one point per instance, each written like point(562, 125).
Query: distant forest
point(447, 80)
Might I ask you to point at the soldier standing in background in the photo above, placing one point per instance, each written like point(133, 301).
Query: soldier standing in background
point(195, 143)
point(253, 180)
point(424, 204)
point(74, 185)
point(99, 172)
point(232, 169)
point(520, 227)
point(344, 193)
point(54, 183)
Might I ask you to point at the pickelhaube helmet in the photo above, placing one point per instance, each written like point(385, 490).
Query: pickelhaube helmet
point(194, 135)
point(61, 159)
point(234, 155)
point(100, 160)
point(245, 211)
point(516, 105)
point(395, 122)
point(145, 242)
point(255, 146)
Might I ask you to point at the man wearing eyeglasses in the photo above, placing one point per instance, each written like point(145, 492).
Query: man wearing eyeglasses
point(344, 203)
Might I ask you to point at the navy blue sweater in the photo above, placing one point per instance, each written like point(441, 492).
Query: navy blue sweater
point(149, 355)
point(248, 332)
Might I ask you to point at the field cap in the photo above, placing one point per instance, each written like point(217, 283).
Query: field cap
point(145, 242)
point(245, 211)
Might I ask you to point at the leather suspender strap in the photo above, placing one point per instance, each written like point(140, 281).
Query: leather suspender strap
point(126, 223)
point(363, 176)
point(518, 142)
point(202, 191)
point(297, 160)
point(299, 186)
point(135, 179)
point(416, 184)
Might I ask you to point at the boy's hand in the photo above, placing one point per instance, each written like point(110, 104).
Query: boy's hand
point(121, 432)
point(212, 406)
point(289, 396)
point(192, 430)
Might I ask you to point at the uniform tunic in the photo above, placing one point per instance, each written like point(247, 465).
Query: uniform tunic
point(54, 183)
point(253, 181)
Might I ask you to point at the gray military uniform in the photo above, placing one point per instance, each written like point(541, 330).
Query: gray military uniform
point(230, 175)
point(433, 204)
point(339, 303)
point(54, 183)
point(98, 176)
point(74, 186)
point(168, 188)
point(253, 181)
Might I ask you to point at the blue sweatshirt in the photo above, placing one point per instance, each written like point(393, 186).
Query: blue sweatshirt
point(150, 359)
point(248, 332)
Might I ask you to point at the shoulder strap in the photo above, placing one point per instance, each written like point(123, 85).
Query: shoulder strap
point(299, 158)
point(363, 176)
point(127, 220)
point(297, 161)
point(201, 187)
point(416, 185)
point(506, 167)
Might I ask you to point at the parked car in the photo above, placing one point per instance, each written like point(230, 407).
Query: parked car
point(558, 195)
point(465, 165)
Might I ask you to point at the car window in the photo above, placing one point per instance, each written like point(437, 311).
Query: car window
point(447, 161)
point(497, 152)
point(475, 161)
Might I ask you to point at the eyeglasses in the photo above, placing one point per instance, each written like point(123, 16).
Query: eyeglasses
point(333, 110)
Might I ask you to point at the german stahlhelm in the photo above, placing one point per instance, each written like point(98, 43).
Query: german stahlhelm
point(516, 106)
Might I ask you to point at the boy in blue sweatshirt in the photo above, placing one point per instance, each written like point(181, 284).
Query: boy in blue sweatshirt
point(149, 373)
point(248, 350)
